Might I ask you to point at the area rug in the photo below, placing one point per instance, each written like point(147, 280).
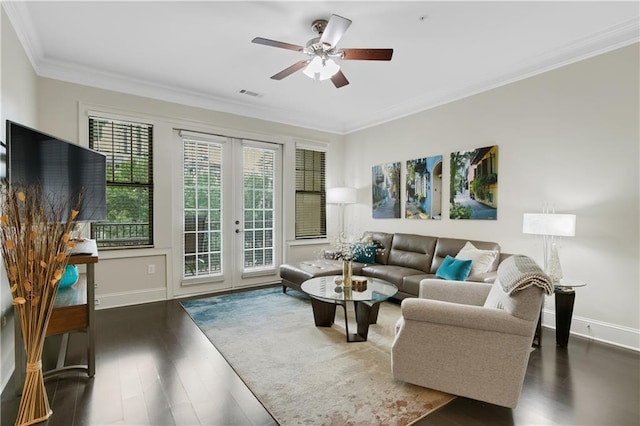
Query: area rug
point(308, 375)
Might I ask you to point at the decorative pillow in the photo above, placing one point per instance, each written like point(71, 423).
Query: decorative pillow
point(454, 269)
point(364, 253)
point(481, 259)
point(366, 239)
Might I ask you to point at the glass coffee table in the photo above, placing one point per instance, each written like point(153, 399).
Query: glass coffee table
point(325, 298)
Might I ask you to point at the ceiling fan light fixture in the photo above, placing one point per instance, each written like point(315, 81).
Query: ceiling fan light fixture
point(321, 68)
point(321, 51)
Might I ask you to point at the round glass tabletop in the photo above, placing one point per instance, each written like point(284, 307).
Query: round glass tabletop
point(565, 285)
point(325, 288)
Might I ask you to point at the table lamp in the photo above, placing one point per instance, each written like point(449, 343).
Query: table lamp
point(550, 225)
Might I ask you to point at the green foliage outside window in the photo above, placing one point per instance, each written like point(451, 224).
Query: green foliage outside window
point(128, 148)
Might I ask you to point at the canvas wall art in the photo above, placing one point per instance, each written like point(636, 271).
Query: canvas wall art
point(385, 184)
point(474, 184)
point(424, 188)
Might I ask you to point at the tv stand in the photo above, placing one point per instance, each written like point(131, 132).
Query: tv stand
point(73, 311)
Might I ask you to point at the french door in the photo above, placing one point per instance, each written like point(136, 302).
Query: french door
point(257, 250)
point(231, 211)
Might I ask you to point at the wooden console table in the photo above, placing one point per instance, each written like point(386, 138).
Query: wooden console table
point(73, 311)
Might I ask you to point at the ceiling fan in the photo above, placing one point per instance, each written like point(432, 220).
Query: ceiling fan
point(322, 51)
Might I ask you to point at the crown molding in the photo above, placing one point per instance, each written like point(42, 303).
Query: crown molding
point(23, 26)
point(110, 81)
point(614, 37)
point(609, 39)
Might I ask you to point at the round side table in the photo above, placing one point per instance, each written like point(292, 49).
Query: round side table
point(565, 296)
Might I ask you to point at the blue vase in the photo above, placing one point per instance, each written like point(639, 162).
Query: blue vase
point(70, 276)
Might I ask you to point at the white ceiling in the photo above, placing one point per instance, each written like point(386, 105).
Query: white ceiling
point(200, 53)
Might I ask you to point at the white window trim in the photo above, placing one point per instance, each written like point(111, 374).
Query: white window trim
point(312, 146)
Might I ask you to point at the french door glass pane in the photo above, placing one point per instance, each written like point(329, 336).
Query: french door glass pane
point(202, 194)
point(258, 204)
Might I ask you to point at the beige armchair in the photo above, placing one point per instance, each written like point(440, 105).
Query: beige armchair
point(468, 339)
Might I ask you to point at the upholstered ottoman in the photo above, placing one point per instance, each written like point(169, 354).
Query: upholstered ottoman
point(294, 274)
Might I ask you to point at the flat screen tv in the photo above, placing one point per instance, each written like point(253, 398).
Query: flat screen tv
point(61, 169)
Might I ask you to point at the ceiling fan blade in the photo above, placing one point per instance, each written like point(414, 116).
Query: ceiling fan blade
point(336, 28)
point(290, 70)
point(339, 80)
point(280, 44)
point(367, 54)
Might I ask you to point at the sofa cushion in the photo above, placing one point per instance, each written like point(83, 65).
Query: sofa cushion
point(454, 269)
point(412, 251)
point(392, 273)
point(452, 246)
point(411, 283)
point(382, 241)
point(481, 260)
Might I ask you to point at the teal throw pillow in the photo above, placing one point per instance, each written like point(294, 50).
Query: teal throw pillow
point(454, 269)
point(364, 253)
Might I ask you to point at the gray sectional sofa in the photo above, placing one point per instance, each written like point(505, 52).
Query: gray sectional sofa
point(402, 259)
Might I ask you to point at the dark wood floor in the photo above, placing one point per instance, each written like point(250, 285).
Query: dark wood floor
point(155, 367)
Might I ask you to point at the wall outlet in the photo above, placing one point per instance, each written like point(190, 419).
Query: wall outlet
point(151, 268)
point(97, 302)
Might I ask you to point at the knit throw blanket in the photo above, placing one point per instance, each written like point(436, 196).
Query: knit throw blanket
point(519, 272)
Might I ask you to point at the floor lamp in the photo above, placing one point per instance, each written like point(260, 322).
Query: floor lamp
point(550, 225)
point(341, 196)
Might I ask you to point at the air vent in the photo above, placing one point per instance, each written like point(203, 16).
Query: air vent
point(250, 93)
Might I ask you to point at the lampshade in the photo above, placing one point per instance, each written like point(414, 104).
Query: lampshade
point(560, 225)
point(341, 195)
point(321, 69)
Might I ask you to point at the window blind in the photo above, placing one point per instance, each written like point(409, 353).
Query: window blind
point(128, 147)
point(202, 184)
point(259, 175)
point(311, 206)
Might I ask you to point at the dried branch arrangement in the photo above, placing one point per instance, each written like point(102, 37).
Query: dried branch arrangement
point(36, 243)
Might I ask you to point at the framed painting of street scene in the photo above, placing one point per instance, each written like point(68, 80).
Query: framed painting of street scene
point(474, 184)
point(424, 188)
point(385, 191)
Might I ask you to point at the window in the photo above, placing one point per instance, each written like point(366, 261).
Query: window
point(311, 206)
point(259, 177)
point(128, 147)
point(202, 194)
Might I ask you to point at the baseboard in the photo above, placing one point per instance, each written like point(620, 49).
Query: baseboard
point(612, 334)
point(127, 298)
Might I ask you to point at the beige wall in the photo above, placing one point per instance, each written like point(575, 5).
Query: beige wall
point(568, 138)
point(18, 100)
point(62, 110)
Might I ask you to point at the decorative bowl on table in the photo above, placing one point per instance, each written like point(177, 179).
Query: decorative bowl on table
point(69, 277)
